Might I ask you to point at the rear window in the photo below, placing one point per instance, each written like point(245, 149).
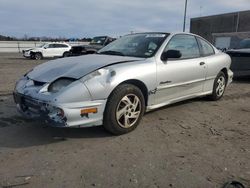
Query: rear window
point(207, 49)
point(60, 46)
point(245, 44)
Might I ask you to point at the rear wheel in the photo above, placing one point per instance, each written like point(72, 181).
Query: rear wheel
point(124, 110)
point(219, 87)
point(66, 54)
point(38, 56)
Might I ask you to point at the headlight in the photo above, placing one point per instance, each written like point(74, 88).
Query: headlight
point(59, 84)
point(96, 74)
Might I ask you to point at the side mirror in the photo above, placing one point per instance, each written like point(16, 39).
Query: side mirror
point(170, 54)
point(45, 47)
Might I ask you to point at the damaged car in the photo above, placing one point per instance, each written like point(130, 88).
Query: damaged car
point(96, 44)
point(48, 50)
point(240, 58)
point(115, 87)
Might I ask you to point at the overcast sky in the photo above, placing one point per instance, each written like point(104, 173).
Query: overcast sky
point(88, 18)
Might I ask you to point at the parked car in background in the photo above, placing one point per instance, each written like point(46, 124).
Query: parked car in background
point(241, 58)
point(53, 49)
point(96, 44)
point(114, 87)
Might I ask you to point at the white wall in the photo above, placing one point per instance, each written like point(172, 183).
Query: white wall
point(18, 46)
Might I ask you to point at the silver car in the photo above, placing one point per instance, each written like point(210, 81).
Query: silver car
point(136, 73)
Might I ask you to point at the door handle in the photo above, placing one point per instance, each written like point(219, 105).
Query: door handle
point(202, 63)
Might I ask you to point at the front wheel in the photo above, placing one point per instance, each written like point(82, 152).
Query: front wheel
point(219, 87)
point(38, 56)
point(124, 110)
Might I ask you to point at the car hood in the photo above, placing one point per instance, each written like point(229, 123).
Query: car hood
point(75, 67)
point(28, 49)
point(35, 49)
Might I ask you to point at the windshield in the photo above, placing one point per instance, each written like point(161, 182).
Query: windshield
point(42, 45)
point(98, 40)
point(136, 45)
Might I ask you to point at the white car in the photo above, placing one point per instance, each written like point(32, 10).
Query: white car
point(54, 49)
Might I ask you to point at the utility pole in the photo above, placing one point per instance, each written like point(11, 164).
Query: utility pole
point(185, 15)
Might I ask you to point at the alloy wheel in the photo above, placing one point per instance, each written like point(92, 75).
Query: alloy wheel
point(221, 84)
point(128, 110)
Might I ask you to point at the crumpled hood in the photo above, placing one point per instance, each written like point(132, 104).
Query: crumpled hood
point(28, 49)
point(75, 67)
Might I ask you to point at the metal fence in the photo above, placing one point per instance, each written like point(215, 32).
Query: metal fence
point(18, 46)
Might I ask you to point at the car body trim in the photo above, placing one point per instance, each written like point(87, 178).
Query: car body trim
point(165, 86)
point(152, 107)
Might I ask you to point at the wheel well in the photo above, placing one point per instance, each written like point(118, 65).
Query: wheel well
point(224, 70)
point(33, 53)
point(141, 86)
point(36, 53)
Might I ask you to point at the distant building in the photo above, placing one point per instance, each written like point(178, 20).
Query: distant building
point(224, 30)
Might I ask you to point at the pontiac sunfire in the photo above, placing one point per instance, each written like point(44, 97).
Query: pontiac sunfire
point(114, 87)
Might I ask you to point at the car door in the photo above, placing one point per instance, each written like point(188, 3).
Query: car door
point(184, 76)
point(49, 50)
point(60, 49)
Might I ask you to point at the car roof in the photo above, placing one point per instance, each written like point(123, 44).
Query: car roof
point(57, 42)
point(166, 33)
point(149, 33)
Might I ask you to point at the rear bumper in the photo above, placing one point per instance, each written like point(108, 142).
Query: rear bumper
point(230, 76)
point(60, 115)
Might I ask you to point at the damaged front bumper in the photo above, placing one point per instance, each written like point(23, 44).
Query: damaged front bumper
point(60, 115)
point(26, 53)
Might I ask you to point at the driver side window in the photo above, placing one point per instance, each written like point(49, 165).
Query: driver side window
point(186, 44)
point(51, 46)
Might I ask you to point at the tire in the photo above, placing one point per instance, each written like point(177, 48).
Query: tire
point(66, 54)
point(32, 56)
point(124, 110)
point(219, 87)
point(38, 56)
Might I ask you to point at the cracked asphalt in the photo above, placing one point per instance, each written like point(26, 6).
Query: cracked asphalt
point(197, 143)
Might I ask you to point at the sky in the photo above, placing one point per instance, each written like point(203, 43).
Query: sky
point(89, 18)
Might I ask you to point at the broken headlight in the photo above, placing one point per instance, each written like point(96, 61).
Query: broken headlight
point(98, 74)
point(60, 83)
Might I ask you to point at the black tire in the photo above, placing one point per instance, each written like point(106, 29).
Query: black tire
point(116, 100)
point(38, 56)
point(32, 56)
point(66, 54)
point(216, 95)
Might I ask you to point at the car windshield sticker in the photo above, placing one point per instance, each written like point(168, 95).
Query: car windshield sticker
point(155, 35)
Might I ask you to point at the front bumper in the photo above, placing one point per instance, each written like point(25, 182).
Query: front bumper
point(26, 53)
point(60, 115)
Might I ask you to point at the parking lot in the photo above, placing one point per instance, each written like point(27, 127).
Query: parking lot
point(196, 143)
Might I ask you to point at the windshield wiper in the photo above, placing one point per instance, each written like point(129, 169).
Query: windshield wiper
point(111, 52)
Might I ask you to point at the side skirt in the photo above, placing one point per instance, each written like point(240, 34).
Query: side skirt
point(152, 107)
